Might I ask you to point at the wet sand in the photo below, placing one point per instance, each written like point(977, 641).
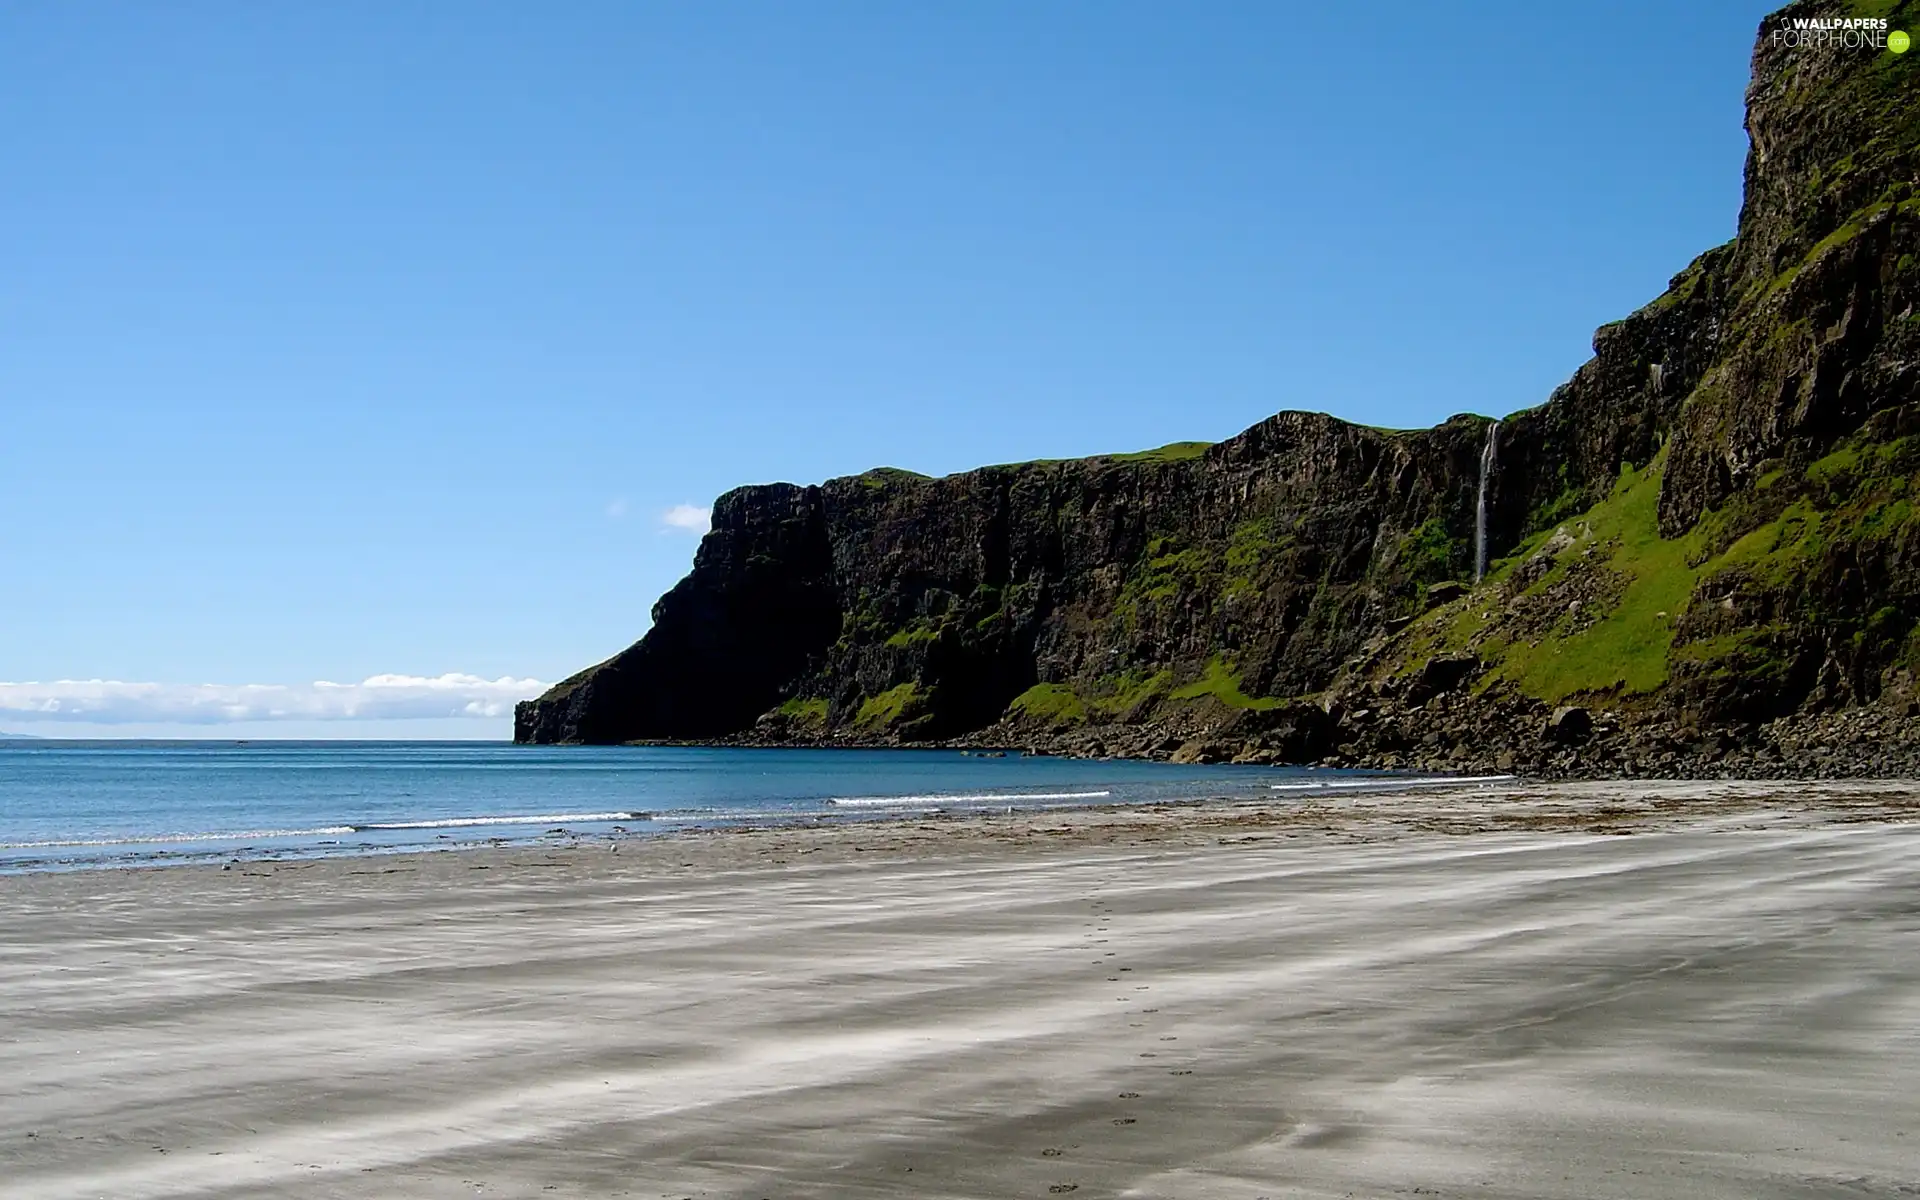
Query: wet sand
point(1597, 990)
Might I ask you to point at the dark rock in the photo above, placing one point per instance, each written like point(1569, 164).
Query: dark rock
point(1442, 675)
point(1201, 750)
point(1292, 733)
point(1138, 604)
point(1283, 551)
point(1570, 724)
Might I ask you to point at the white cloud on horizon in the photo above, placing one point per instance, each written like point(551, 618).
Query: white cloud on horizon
point(687, 518)
point(376, 698)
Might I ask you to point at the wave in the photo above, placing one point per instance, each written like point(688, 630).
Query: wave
point(170, 838)
point(1389, 782)
point(254, 835)
point(683, 815)
point(975, 798)
point(531, 819)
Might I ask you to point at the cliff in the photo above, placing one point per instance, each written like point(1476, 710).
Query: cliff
point(1704, 540)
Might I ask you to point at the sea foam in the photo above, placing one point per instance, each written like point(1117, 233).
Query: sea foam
point(965, 798)
point(532, 819)
point(1389, 782)
point(247, 835)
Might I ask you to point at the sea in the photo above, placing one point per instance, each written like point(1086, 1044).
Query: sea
point(88, 804)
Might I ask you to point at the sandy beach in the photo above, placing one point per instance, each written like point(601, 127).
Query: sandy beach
point(1595, 990)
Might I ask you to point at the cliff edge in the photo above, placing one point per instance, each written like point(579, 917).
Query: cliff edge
point(1703, 546)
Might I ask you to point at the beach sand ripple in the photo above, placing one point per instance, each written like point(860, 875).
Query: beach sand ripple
point(1596, 990)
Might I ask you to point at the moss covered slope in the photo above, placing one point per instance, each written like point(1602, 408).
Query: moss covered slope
point(1710, 523)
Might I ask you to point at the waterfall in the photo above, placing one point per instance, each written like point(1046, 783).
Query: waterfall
point(1488, 453)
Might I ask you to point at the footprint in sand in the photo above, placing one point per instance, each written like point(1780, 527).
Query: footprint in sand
point(1052, 1152)
point(1060, 1188)
point(1129, 1095)
point(1179, 1072)
point(1123, 1120)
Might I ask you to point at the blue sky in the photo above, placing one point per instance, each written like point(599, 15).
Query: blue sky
point(376, 340)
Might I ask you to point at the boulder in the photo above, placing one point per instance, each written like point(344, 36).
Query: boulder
point(1292, 733)
point(1202, 750)
point(1442, 675)
point(1570, 724)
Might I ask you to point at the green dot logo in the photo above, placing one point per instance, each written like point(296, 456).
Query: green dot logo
point(1898, 41)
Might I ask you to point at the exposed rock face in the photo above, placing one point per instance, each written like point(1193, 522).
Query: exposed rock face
point(1812, 329)
point(925, 607)
point(735, 631)
point(1709, 526)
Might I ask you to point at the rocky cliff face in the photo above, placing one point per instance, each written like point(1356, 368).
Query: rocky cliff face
point(1708, 526)
point(889, 604)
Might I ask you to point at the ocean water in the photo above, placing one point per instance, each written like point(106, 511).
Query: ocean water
point(86, 804)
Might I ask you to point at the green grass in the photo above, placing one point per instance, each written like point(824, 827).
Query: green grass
point(1171, 452)
point(1121, 693)
point(1856, 504)
point(1253, 549)
point(920, 633)
point(1682, 287)
point(880, 477)
point(1859, 460)
point(889, 708)
point(1849, 229)
point(1563, 504)
point(1426, 555)
point(812, 711)
point(1171, 569)
point(1113, 696)
point(1166, 574)
point(1219, 681)
point(1627, 650)
point(1055, 704)
point(1746, 655)
point(1778, 550)
point(1842, 463)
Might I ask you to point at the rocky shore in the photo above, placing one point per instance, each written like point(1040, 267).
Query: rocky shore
point(1536, 741)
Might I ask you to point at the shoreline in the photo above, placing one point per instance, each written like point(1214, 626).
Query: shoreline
point(1450, 807)
point(183, 837)
point(1606, 742)
point(1560, 991)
